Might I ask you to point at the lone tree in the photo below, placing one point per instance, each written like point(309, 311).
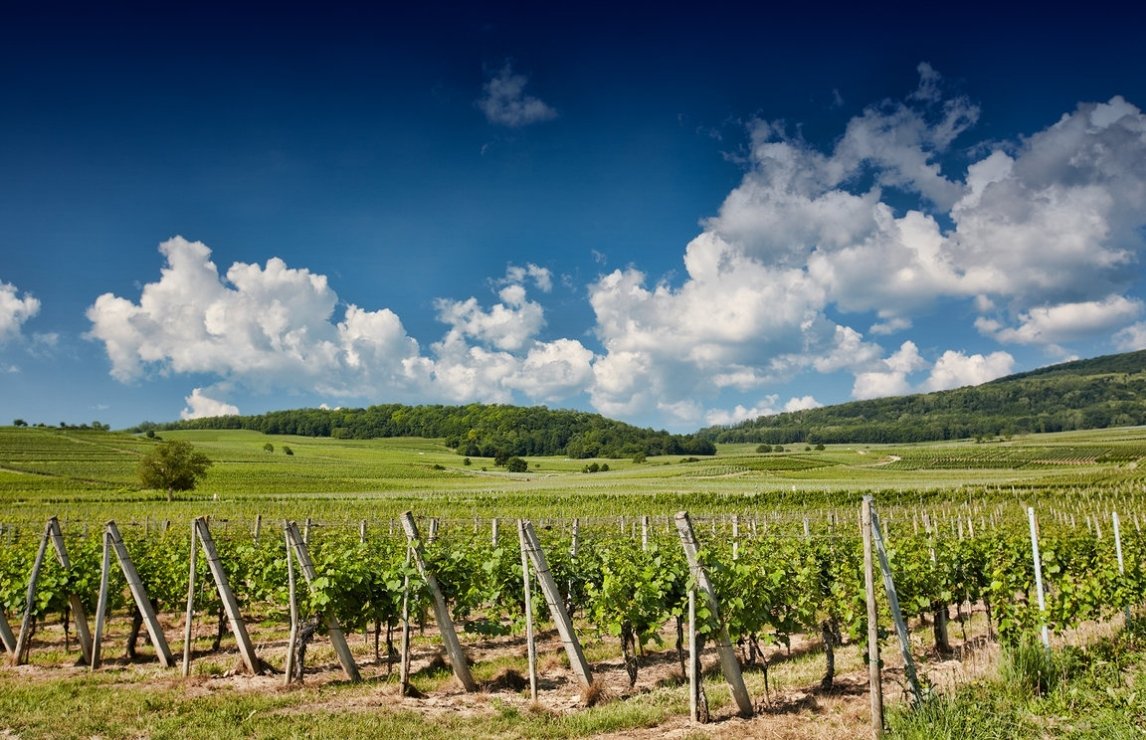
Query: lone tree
point(172, 466)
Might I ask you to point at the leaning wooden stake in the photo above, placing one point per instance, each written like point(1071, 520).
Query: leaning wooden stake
point(101, 604)
point(79, 614)
point(441, 612)
point(20, 653)
point(139, 594)
point(333, 629)
point(896, 613)
point(404, 670)
point(6, 636)
point(530, 644)
point(729, 663)
point(230, 603)
point(875, 680)
point(569, 640)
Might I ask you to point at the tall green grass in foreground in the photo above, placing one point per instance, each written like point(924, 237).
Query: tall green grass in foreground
point(1094, 692)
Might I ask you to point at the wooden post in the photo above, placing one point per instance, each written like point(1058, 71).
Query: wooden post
point(493, 531)
point(362, 531)
point(694, 686)
point(101, 604)
point(6, 636)
point(729, 663)
point(896, 613)
point(404, 669)
point(1118, 551)
point(875, 681)
point(258, 527)
point(441, 612)
point(230, 603)
point(1038, 575)
point(139, 593)
point(187, 624)
point(735, 536)
point(292, 595)
point(333, 629)
point(644, 533)
point(19, 655)
point(79, 614)
point(561, 618)
point(530, 645)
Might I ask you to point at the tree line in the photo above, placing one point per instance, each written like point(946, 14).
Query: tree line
point(474, 430)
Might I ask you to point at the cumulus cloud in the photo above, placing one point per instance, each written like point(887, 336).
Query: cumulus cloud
point(15, 310)
point(768, 406)
point(1036, 242)
point(276, 327)
point(200, 406)
point(1054, 325)
point(505, 103)
point(956, 369)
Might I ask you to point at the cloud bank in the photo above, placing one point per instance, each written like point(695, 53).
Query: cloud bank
point(815, 258)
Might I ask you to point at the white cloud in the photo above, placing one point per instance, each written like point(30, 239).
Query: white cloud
point(1131, 339)
point(505, 103)
point(268, 326)
point(768, 406)
point(1053, 325)
point(553, 371)
point(541, 277)
point(15, 310)
point(890, 379)
point(200, 406)
point(956, 369)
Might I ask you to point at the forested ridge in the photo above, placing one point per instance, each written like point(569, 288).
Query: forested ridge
point(476, 430)
point(1096, 393)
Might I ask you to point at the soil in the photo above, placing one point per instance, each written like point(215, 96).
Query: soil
point(795, 707)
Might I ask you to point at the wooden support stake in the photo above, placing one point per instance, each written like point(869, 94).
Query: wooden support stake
point(101, 604)
point(569, 640)
point(1034, 526)
point(79, 614)
point(333, 629)
point(6, 636)
point(139, 593)
point(258, 527)
point(292, 595)
point(875, 680)
point(1118, 551)
point(230, 603)
point(729, 663)
point(896, 613)
point(190, 617)
point(530, 645)
point(441, 612)
point(404, 670)
point(20, 653)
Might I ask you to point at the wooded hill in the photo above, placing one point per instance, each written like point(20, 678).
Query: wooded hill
point(1086, 394)
point(476, 430)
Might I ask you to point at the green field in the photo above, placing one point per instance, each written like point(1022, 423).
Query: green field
point(796, 511)
point(89, 476)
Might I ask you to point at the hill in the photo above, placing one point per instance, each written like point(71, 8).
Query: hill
point(476, 430)
point(1096, 393)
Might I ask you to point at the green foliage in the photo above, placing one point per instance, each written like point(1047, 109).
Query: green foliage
point(516, 465)
point(476, 430)
point(172, 466)
point(1087, 394)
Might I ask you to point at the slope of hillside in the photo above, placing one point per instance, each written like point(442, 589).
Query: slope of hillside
point(1085, 394)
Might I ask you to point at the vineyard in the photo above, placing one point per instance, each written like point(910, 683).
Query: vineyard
point(784, 557)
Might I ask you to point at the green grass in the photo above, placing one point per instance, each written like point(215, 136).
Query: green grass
point(1095, 692)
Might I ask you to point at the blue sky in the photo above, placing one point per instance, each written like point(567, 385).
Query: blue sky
point(673, 220)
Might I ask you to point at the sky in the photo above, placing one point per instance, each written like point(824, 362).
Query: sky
point(672, 219)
